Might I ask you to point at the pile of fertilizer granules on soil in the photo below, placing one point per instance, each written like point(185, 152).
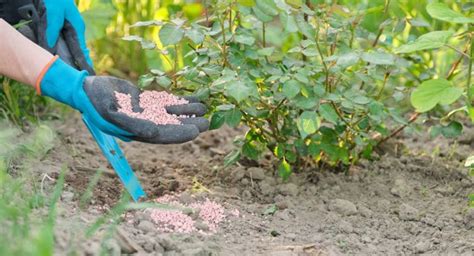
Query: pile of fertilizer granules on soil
point(154, 106)
point(194, 215)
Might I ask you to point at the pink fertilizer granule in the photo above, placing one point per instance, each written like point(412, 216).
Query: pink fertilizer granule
point(154, 106)
point(210, 212)
point(206, 211)
point(173, 221)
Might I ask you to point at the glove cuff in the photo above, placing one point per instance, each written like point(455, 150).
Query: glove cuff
point(61, 82)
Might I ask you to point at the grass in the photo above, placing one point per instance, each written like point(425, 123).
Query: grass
point(25, 229)
point(20, 104)
point(28, 210)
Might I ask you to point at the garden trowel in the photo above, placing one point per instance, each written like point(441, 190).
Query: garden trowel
point(107, 143)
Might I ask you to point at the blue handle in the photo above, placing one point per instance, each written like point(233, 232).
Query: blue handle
point(116, 158)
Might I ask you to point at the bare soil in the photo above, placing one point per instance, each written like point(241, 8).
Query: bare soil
point(414, 200)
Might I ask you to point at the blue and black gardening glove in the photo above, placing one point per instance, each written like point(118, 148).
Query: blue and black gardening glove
point(94, 96)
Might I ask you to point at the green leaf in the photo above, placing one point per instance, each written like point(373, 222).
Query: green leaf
point(284, 169)
point(310, 52)
point(170, 34)
point(295, 3)
point(328, 113)
point(195, 35)
point(432, 40)
point(145, 80)
point(441, 11)
point(233, 117)
point(261, 15)
point(245, 39)
point(97, 18)
point(469, 163)
point(217, 120)
point(348, 59)
point(249, 150)
point(163, 81)
point(246, 3)
point(147, 23)
point(268, 7)
point(266, 51)
point(305, 28)
point(270, 210)
point(432, 92)
point(308, 123)
point(291, 88)
point(232, 158)
point(238, 90)
point(378, 58)
point(453, 130)
point(288, 21)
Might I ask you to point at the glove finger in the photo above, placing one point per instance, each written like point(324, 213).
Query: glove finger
point(192, 99)
point(201, 123)
point(149, 132)
point(75, 20)
point(28, 33)
point(51, 24)
point(172, 134)
point(76, 51)
point(190, 109)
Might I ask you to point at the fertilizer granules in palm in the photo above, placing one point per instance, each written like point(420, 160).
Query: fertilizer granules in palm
point(154, 106)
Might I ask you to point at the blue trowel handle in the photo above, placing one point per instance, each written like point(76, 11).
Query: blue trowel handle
point(116, 158)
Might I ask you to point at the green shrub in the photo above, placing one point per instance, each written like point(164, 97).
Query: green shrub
point(318, 83)
point(311, 81)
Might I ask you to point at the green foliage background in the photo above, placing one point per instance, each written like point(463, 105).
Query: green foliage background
point(317, 82)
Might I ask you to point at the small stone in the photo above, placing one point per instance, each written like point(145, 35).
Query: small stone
point(195, 252)
point(238, 174)
point(407, 212)
point(246, 194)
point(202, 226)
point(291, 236)
point(289, 189)
point(422, 247)
point(365, 212)
point(67, 196)
point(266, 188)
point(165, 242)
point(345, 226)
point(149, 244)
point(256, 173)
point(400, 188)
point(245, 181)
point(158, 249)
point(195, 213)
point(283, 215)
point(342, 207)
point(185, 198)
point(146, 226)
point(112, 247)
point(281, 205)
point(445, 190)
point(469, 218)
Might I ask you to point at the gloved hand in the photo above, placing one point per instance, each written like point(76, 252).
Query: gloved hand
point(61, 19)
point(94, 97)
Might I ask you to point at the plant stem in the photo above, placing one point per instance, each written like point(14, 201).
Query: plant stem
point(264, 39)
point(385, 79)
point(469, 73)
point(326, 69)
point(224, 43)
point(455, 65)
point(399, 129)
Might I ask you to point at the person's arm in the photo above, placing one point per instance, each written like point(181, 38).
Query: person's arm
point(93, 96)
point(21, 59)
